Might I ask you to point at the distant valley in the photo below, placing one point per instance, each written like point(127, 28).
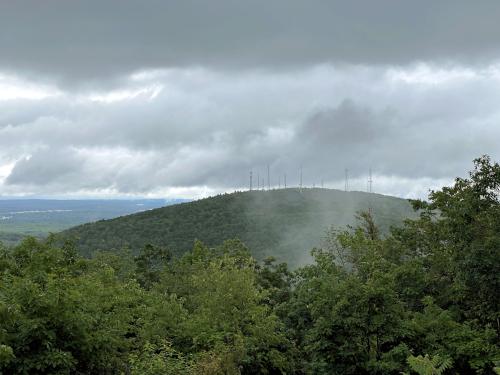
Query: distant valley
point(38, 217)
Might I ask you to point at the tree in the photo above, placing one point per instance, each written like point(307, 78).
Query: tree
point(149, 264)
point(426, 365)
point(227, 310)
point(460, 230)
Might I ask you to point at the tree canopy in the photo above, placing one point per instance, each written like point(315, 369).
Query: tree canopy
point(421, 299)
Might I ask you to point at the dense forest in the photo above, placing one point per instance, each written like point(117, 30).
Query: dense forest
point(420, 299)
point(284, 223)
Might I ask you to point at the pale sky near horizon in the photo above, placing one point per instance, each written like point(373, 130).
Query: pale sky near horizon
point(184, 98)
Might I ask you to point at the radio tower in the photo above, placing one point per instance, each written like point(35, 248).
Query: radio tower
point(285, 180)
point(300, 185)
point(346, 187)
point(370, 181)
point(268, 179)
point(251, 180)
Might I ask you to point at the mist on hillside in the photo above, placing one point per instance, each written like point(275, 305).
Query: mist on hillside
point(296, 220)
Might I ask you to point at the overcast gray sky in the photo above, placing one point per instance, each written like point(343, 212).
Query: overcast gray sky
point(184, 98)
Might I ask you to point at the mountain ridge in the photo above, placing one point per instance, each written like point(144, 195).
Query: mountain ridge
point(284, 223)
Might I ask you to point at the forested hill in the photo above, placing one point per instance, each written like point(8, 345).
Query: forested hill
point(283, 223)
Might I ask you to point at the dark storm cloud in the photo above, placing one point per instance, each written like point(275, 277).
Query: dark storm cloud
point(94, 42)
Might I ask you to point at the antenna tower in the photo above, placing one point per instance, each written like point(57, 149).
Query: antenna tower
point(251, 180)
point(300, 185)
point(346, 187)
point(268, 179)
point(285, 180)
point(370, 181)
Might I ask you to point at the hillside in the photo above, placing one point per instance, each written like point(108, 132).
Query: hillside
point(38, 217)
point(284, 223)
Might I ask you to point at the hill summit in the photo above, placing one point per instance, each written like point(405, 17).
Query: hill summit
point(284, 223)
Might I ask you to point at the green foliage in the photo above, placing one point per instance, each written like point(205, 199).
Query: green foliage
point(160, 359)
point(61, 314)
point(435, 330)
point(349, 325)
point(281, 223)
point(429, 365)
point(149, 264)
point(419, 299)
point(368, 302)
point(226, 309)
point(6, 355)
point(470, 213)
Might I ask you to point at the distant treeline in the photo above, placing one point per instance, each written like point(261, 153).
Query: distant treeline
point(422, 299)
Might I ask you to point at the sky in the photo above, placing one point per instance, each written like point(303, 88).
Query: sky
point(182, 99)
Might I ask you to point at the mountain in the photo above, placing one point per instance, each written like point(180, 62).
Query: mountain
point(285, 223)
point(38, 217)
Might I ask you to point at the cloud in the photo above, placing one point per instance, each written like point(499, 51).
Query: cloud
point(203, 131)
point(163, 97)
point(46, 167)
point(97, 42)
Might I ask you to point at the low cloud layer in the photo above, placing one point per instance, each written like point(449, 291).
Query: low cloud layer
point(195, 129)
point(185, 98)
